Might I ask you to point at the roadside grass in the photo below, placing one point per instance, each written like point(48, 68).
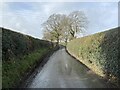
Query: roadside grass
point(14, 70)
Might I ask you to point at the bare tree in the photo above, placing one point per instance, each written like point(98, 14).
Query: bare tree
point(47, 36)
point(66, 30)
point(77, 22)
point(62, 27)
point(54, 26)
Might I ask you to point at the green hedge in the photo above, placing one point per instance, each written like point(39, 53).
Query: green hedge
point(20, 53)
point(13, 72)
point(17, 45)
point(100, 52)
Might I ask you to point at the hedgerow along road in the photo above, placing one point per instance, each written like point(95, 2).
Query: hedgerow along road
point(63, 71)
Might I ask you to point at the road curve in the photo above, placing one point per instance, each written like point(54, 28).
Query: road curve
point(63, 71)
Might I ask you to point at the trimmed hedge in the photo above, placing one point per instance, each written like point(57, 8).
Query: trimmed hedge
point(20, 54)
point(16, 45)
point(14, 71)
point(100, 52)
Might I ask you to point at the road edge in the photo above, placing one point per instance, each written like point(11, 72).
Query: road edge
point(103, 79)
point(32, 72)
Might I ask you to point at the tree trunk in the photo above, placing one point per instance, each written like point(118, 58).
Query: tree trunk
point(52, 43)
point(66, 39)
point(58, 40)
point(72, 32)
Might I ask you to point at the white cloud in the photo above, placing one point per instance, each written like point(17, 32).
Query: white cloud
point(29, 21)
point(26, 21)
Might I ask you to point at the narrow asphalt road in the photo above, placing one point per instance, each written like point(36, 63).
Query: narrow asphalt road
point(63, 71)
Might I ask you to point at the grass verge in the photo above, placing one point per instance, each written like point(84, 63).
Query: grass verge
point(14, 70)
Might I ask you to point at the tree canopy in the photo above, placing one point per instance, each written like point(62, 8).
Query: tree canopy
point(61, 27)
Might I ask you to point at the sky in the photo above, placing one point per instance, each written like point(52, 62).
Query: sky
point(27, 17)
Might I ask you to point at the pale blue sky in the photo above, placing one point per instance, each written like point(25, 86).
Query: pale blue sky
point(27, 17)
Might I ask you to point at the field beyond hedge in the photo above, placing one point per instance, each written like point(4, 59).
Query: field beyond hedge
point(100, 52)
point(20, 53)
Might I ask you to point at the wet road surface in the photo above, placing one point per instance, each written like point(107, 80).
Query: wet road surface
point(63, 71)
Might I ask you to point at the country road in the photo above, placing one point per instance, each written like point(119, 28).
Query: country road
point(63, 71)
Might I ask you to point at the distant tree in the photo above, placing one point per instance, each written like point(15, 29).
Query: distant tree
point(66, 30)
point(78, 22)
point(60, 27)
point(54, 26)
point(47, 36)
